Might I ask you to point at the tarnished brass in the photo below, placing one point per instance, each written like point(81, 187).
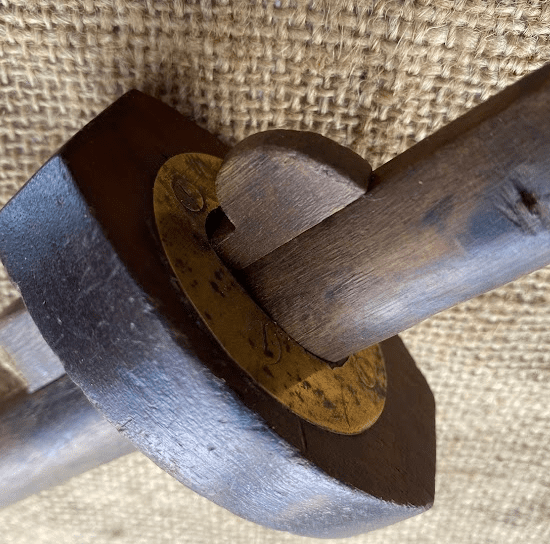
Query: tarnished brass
point(345, 400)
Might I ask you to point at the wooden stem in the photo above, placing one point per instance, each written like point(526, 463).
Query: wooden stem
point(461, 213)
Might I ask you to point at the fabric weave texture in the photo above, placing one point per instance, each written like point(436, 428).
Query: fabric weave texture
point(376, 76)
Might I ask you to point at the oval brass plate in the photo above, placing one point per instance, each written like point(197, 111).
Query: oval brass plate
point(346, 399)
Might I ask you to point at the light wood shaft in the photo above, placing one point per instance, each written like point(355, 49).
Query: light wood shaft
point(461, 213)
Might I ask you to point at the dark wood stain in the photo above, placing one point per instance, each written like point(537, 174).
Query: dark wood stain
point(529, 200)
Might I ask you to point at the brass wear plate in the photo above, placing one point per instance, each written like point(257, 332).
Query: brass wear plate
point(345, 400)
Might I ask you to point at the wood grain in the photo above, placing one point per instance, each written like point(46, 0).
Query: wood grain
point(277, 184)
point(34, 360)
point(347, 400)
point(80, 242)
point(51, 436)
point(461, 213)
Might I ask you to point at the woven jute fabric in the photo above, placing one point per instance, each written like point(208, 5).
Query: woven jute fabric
point(375, 76)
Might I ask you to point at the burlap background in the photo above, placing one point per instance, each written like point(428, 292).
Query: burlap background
point(376, 76)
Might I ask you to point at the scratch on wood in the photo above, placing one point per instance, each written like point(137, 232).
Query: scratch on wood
point(122, 427)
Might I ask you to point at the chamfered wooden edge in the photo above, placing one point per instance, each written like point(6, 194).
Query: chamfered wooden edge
point(113, 162)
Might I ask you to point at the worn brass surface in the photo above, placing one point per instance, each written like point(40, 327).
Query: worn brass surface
point(346, 399)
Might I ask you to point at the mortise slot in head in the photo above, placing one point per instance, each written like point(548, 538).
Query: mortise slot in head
point(218, 226)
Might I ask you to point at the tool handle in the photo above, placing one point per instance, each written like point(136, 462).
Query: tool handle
point(462, 212)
